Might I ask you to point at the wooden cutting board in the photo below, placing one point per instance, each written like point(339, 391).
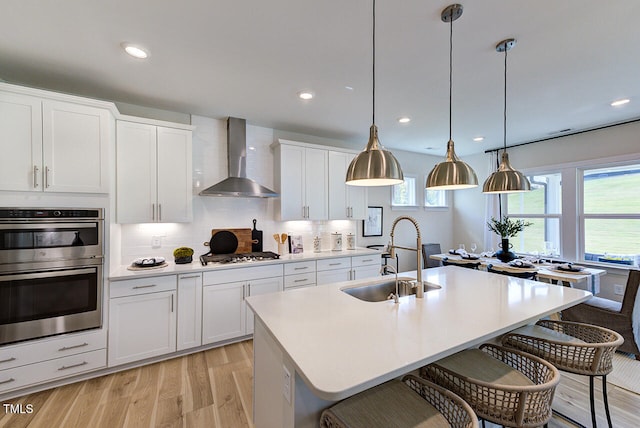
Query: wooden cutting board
point(244, 238)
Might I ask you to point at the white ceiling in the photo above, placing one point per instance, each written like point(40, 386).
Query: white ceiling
point(248, 59)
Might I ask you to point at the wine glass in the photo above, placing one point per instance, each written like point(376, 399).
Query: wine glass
point(474, 247)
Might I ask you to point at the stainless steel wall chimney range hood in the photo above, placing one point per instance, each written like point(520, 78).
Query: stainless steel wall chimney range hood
point(238, 184)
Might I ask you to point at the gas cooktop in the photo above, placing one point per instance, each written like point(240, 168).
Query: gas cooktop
point(238, 258)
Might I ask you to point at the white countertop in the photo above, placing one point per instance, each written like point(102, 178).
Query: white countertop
point(341, 345)
point(171, 269)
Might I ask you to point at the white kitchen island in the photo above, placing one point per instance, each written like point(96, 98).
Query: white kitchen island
point(334, 345)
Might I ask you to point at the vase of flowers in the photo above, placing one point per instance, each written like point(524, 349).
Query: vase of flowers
point(506, 228)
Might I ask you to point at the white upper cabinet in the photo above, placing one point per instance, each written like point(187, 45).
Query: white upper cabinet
point(345, 202)
point(53, 146)
point(153, 173)
point(20, 142)
point(301, 175)
point(75, 147)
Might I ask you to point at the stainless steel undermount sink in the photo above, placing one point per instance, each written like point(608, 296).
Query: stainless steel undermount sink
point(384, 289)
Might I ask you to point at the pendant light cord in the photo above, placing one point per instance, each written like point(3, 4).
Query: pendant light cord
point(373, 68)
point(504, 126)
point(450, 70)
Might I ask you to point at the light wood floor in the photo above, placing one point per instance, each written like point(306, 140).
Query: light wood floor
point(214, 389)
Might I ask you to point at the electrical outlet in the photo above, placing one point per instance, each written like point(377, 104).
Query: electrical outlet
point(156, 242)
point(618, 289)
point(286, 386)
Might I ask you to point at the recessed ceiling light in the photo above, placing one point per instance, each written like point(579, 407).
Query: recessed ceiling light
point(135, 51)
point(620, 102)
point(305, 95)
point(478, 139)
point(404, 119)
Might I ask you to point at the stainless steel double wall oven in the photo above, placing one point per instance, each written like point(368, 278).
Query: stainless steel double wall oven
point(51, 263)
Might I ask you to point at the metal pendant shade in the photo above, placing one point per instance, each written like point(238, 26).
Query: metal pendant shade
point(452, 173)
point(506, 179)
point(374, 166)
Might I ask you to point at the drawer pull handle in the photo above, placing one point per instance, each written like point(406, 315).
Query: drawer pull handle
point(301, 280)
point(8, 360)
point(84, 363)
point(335, 264)
point(301, 268)
point(367, 260)
point(144, 286)
point(7, 381)
point(66, 348)
point(189, 276)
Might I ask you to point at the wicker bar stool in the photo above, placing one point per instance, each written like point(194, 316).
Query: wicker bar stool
point(414, 402)
point(572, 347)
point(502, 385)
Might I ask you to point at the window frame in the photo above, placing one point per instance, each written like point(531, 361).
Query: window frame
point(572, 226)
point(447, 199)
point(407, 207)
point(583, 217)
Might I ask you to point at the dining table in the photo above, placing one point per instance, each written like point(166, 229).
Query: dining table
point(585, 278)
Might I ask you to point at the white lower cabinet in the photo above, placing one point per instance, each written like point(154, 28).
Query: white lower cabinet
point(189, 311)
point(35, 362)
point(333, 270)
point(300, 274)
point(224, 311)
point(365, 267)
point(142, 319)
point(260, 286)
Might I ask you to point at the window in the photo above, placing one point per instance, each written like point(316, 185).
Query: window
point(542, 207)
point(611, 214)
point(404, 194)
point(435, 198)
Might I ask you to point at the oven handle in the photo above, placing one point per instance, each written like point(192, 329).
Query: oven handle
point(36, 225)
point(48, 274)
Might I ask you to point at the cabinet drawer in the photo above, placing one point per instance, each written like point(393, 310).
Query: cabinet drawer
point(241, 274)
point(20, 377)
point(373, 259)
point(299, 280)
point(132, 287)
point(299, 267)
point(330, 264)
point(51, 348)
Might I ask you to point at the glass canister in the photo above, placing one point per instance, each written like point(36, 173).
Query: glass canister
point(317, 244)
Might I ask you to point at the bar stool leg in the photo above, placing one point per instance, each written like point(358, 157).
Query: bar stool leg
point(606, 400)
point(594, 424)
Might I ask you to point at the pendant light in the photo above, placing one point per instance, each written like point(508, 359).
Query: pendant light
point(374, 166)
point(452, 173)
point(506, 179)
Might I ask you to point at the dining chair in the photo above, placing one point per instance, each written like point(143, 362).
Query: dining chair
point(470, 264)
point(502, 385)
point(412, 402)
point(572, 347)
point(429, 250)
point(526, 273)
point(617, 316)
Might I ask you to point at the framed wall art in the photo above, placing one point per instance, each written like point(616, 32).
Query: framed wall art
point(372, 225)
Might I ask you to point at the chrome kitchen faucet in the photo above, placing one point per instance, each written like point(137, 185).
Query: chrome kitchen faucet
point(418, 250)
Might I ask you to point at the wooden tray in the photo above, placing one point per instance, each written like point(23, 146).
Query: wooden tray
point(244, 238)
